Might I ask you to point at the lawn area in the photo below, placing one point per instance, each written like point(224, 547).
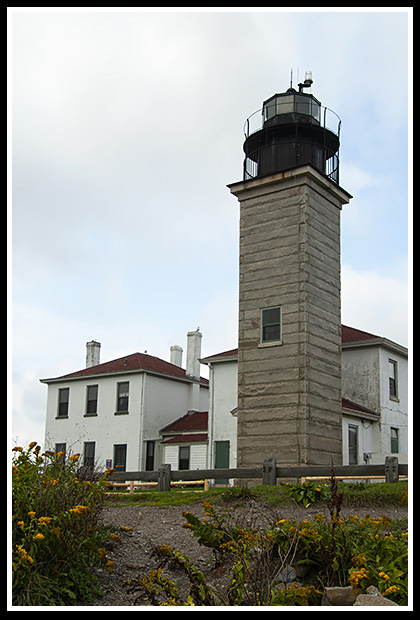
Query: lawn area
point(354, 495)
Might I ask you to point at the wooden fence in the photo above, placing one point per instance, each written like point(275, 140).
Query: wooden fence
point(268, 473)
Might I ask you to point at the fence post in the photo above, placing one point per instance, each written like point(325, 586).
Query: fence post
point(391, 469)
point(164, 477)
point(269, 472)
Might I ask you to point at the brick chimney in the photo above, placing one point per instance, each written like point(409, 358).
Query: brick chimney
point(93, 351)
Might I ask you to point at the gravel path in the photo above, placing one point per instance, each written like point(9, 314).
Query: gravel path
point(153, 526)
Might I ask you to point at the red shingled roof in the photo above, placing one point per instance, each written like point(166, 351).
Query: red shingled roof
point(191, 421)
point(135, 361)
point(350, 334)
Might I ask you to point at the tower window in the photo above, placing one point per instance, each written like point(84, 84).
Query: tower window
point(271, 324)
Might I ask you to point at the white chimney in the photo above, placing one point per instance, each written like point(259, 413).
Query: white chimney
point(193, 353)
point(176, 355)
point(93, 351)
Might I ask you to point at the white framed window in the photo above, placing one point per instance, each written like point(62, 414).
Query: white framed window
point(395, 441)
point(63, 402)
point(393, 379)
point(91, 400)
point(122, 397)
point(353, 445)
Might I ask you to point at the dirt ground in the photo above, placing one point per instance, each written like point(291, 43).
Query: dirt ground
point(152, 526)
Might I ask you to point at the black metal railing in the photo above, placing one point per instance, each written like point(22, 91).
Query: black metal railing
point(288, 154)
point(261, 161)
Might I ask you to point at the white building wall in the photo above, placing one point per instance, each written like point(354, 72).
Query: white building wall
point(360, 376)
point(171, 454)
point(394, 411)
point(368, 440)
point(198, 455)
point(165, 401)
point(223, 400)
point(106, 429)
point(154, 402)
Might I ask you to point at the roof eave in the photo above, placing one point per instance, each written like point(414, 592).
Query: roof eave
point(64, 379)
point(376, 342)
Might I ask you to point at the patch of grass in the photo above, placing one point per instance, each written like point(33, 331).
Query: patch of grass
point(375, 494)
point(354, 495)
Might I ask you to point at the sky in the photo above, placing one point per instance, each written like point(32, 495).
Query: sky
point(125, 128)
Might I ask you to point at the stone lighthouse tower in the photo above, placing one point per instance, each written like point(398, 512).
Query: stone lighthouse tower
point(289, 357)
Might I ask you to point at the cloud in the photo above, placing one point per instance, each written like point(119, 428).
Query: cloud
point(375, 303)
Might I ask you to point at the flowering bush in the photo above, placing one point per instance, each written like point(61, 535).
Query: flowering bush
point(352, 551)
point(55, 533)
point(343, 551)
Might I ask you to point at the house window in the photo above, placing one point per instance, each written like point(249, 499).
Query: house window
point(89, 454)
point(395, 444)
point(150, 455)
point(120, 457)
point(63, 402)
point(184, 457)
point(271, 324)
point(353, 444)
point(122, 397)
point(91, 400)
point(60, 447)
point(393, 377)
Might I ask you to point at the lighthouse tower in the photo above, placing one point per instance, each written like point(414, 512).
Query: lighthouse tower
point(289, 346)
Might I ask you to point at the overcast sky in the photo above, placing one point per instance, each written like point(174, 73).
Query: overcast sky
point(126, 129)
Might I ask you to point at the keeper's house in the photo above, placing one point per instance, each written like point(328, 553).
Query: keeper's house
point(111, 413)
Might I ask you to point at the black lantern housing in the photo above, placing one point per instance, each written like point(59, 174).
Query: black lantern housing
point(293, 132)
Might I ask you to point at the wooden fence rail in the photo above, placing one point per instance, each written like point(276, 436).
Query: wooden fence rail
point(269, 473)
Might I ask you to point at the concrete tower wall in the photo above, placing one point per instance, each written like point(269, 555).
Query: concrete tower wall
point(289, 390)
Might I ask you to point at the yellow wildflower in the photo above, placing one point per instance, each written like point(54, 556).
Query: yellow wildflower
point(32, 445)
point(75, 457)
point(390, 590)
point(359, 560)
point(39, 536)
point(31, 513)
point(21, 523)
point(384, 576)
point(17, 449)
point(44, 520)
point(357, 576)
point(79, 510)
point(23, 554)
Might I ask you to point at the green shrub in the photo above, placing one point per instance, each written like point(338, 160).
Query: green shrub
point(307, 493)
point(55, 533)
